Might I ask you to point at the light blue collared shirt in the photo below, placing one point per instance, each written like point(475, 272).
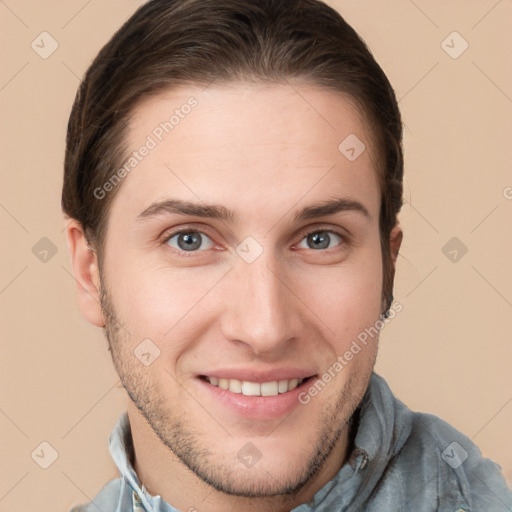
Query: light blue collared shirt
point(401, 461)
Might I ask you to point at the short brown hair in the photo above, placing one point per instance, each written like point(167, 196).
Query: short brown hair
point(168, 43)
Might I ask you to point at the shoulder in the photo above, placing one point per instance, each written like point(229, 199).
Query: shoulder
point(457, 463)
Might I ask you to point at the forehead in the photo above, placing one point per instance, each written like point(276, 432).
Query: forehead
point(241, 144)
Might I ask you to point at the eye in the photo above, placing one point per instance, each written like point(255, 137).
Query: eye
point(321, 239)
point(189, 241)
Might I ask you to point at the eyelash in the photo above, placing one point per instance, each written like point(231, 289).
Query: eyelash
point(192, 230)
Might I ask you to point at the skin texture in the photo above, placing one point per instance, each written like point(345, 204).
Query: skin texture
point(265, 152)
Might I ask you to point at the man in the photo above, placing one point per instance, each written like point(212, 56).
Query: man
point(233, 177)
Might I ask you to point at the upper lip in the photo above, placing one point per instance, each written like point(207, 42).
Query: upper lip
point(255, 375)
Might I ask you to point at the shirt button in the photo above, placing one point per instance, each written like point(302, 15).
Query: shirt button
point(364, 462)
point(136, 503)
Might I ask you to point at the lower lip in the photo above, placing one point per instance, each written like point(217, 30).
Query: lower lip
point(256, 407)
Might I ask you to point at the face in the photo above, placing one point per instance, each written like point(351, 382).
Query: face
point(242, 258)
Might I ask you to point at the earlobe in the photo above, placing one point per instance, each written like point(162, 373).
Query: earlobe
point(395, 241)
point(84, 262)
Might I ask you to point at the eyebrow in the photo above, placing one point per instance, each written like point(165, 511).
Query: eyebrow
point(214, 211)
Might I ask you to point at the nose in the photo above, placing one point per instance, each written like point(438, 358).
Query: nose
point(262, 311)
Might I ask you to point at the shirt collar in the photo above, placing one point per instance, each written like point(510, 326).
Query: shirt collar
point(383, 425)
point(121, 450)
point(385, 422)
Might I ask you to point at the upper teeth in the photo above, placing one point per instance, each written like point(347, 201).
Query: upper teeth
point(255, 388)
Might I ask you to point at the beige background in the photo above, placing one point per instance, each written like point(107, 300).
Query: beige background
point(448, 352)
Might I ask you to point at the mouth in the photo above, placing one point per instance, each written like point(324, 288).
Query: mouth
point(248, 388)
point(255, 393)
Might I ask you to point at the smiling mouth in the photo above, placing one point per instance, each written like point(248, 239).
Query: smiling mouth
point(247, 388)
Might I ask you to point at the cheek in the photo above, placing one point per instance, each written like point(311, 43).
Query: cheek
point(157, 301)
point(347, 298)
point(350, 344)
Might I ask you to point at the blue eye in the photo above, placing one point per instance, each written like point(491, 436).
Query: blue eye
point(189, 241)
point(318, 240)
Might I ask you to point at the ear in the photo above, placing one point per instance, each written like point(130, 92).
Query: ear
point(395, 241)
point(84, 262)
